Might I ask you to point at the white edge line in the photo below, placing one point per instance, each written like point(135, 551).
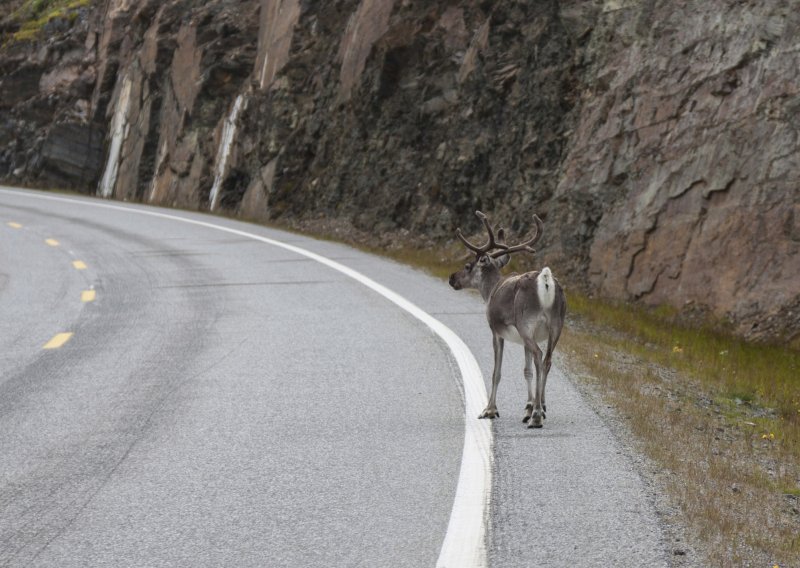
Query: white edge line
point(464, 544)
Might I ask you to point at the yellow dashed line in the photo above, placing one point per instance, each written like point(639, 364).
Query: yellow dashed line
point(52, 242)
point(79, 265)
point(14, 225)
point(88, 296)
point(58, 341)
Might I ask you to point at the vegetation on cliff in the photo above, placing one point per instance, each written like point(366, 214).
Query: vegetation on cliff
point(33, 15)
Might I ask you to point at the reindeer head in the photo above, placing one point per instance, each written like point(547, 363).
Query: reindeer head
point(490, 257)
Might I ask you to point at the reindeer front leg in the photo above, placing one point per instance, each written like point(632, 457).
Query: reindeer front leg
point(491, 408)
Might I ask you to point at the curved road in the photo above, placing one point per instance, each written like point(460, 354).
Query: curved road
point(176, 395)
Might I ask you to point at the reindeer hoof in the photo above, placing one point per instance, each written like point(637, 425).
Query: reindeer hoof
point(489, 413)
point(535, 425)
point(528, 412)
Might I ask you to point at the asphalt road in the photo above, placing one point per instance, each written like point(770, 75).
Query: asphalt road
point(225, 402)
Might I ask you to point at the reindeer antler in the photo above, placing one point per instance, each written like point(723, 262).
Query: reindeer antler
point(491, 244)
point(525, 246)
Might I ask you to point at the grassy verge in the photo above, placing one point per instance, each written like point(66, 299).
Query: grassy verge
point(719, 415)
point(33, 15)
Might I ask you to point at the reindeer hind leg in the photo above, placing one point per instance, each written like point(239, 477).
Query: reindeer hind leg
point(538, 412)
point(528, 373)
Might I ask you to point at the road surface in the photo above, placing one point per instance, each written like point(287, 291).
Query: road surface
point(173, 394)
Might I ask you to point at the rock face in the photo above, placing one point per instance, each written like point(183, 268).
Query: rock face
point(689, 138)
point(658, 141)
point(47, 136)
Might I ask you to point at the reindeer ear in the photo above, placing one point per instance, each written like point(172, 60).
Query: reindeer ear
point(502, 260)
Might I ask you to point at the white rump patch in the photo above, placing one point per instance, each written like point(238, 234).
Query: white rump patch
point(546, 288)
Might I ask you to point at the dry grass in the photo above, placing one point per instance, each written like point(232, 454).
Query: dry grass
point(721, 416)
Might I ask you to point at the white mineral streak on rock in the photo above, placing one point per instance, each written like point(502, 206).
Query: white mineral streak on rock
point(225, 143)
point(119, 131)
point(264, 75)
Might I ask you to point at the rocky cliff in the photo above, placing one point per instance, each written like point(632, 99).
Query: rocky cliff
point(658, 139)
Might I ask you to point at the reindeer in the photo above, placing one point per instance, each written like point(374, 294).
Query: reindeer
point(524, 308)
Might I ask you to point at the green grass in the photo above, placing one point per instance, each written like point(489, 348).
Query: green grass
point(33, 15)
point(765, 375)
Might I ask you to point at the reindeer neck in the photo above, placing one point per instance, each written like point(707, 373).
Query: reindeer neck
point(489, 283)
